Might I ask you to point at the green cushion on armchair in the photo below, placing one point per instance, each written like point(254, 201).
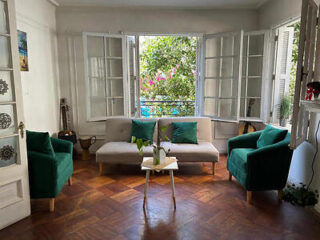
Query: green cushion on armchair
point(48, 172)
point(259, 169)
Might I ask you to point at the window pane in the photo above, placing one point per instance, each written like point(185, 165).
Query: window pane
point(5, 52)
point(211, 88)
point(114, 68)
point(211, 107)
point(212, 67)
point(7, 119)
point(98, 107)
point(256, 45)
point(254, 87)
point(255, 66)
point(245, 46)
point(255, 107)
point(243, 87)
point(115, 87)
point(114, 47)
point(95, 46)
point(115, 107)
point(228, 88)
point(242, 108)
point(228, 108)
point(227, 49)
point(3, 17)
point(227, 67)
point(8, 151)
point(6, 93)
point(213, 47)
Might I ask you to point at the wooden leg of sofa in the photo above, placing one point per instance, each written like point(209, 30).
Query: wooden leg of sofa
point(213, 168)
point(70, 181)
point(280, 195)
point(51, 204)
point(100, 169)
point(230, 176)
point(249, 197)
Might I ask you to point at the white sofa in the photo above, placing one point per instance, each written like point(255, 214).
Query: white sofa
point(118, 150)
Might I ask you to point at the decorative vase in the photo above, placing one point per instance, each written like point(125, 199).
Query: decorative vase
point(283, 122)
point(159, 155)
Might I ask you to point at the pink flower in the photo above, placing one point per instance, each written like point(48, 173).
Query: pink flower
point(195, 73)
point(151, 82)
point(162, 78)
point(177, 66)
point(170, 74)
point(174, 70)
point(158, 76)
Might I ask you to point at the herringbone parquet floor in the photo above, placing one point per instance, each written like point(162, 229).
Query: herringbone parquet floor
point(110, 207)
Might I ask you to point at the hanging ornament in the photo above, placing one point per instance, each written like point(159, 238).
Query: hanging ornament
point(3, 87)
point(5, 120)
point(6, 152)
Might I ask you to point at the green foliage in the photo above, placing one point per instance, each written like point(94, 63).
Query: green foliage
point(300, 195)
point(140, 144)
point(294, 60)
point(167, 71)
point(285, 107)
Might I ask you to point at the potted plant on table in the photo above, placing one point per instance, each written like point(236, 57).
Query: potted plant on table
point(159, 152)
point(285, 108)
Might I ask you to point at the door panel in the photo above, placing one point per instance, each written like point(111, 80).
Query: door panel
point(14, 185)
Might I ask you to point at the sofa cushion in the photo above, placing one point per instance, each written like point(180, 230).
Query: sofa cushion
point(118, 129)
point(184, 132)
point(237, 163)
point(271, 135)
point(143, 130)
point(63, 170)
point(39, 142)
point(121, 152)
point(201, 152)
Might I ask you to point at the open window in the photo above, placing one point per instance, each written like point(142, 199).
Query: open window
point(106, 73)
point(234, 76)
point(308, 70)
point(222, 74)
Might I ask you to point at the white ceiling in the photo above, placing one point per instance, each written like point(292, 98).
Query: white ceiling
point(199, 4)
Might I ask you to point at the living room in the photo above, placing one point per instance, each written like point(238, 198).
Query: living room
point(90, 73)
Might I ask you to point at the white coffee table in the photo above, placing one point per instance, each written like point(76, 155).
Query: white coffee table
point(170, 168)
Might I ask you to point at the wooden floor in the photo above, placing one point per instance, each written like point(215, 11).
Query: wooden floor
point(110, 207)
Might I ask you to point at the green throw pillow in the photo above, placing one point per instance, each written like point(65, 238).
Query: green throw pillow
point(143, 130)
point(184, 132)
point(39, 142)
point(271, 135)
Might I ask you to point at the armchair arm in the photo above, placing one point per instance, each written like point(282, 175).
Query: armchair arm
point(268, 167)
point(248, 140)
point(42, 174)
point(60, 145)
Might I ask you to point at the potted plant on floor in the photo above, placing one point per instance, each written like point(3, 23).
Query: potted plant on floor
point(285, 108)
point(159, 152)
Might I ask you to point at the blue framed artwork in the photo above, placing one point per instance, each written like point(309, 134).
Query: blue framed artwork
point(23, 51)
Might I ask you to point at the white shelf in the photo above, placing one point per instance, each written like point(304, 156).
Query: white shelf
point(311, 106)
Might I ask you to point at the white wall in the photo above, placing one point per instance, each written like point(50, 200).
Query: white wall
point(274, 13)
point(39, 84)
point(71, 22)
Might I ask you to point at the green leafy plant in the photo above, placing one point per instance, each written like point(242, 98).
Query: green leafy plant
point(285, 107)
point(156, 147)
point(300, 195)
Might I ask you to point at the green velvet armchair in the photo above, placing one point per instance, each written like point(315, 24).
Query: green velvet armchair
point(259, 169)
point(50, 165)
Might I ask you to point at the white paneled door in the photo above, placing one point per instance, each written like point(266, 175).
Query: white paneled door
point(14, 184)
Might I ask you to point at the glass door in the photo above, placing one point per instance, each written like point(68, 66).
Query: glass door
point(14, 185)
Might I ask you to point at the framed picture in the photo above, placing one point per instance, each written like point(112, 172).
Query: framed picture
point(23, 51)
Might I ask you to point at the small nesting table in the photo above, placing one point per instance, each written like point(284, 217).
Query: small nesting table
point(171, 167)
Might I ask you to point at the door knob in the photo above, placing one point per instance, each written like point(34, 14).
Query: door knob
point(21, 128)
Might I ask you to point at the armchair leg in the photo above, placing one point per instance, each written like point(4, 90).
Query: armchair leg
point(100, 169)
point(70, 181)
point(213, 168)
point(51, 204)
point(280, 195)
point(230, 176)
point(249, 197)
